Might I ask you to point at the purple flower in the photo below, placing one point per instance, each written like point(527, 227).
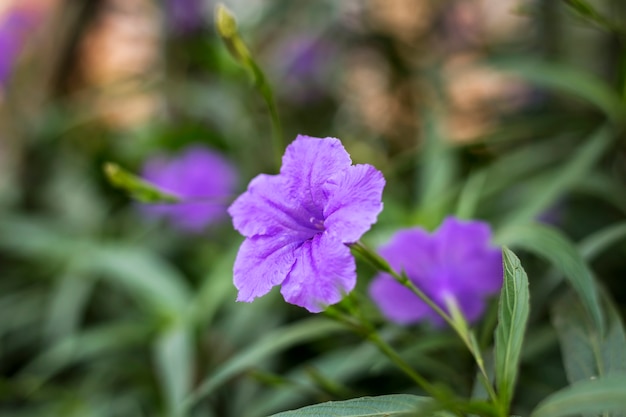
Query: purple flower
point(297, 224)
point(198, 175)
point(185, 15)
point(455, 262)
point(13, 30)
point(303, 64)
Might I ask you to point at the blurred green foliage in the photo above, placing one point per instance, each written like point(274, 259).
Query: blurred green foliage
point(106, 313)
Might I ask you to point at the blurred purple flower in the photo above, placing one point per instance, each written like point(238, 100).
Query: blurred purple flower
point(297, 224)
point(201, 176)
point(303, 64)
point(455, 262)
point(14, 28)
point(185, 15)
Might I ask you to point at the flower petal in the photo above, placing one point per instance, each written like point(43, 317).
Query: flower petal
point(461, 240)
point(265, 210)
point(262, 262)
point(397, 302)
point(307, 164)
point(411, 251)
point(465, 246)
point(323, 273)
point(354, 201)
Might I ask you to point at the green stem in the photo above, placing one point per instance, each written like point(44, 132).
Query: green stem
point(265, 89)
point(227, 29)
point(370, 333)
point(457, 322)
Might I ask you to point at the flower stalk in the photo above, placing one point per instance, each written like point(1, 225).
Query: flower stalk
point(455, 320)
point(229, 33)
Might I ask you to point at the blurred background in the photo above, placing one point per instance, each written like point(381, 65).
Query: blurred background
point(489, 109)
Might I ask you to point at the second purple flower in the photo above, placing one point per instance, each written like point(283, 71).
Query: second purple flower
point(297, 224)
point(455, 263)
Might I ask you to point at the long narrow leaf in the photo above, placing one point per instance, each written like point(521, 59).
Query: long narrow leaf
point(394, 405)
point(565, 78)
point(587, 353)
point(273, 343)
point(551, 244)
point(512, 319)
point(591, 396)
point(173, 354)
point(551, 187)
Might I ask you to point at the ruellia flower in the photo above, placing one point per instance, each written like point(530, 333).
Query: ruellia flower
point(203, 179)
point(298, 223)
point(14, 28)
point(185, 16)
point(455, 264)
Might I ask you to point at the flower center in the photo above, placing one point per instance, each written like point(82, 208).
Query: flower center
point(317, 223)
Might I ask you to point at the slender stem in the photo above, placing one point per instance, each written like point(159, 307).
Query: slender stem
point(370, 333)
point(457, 322)
point(266, 92)
point(228, 31)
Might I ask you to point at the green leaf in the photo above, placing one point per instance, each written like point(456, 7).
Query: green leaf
point(554, 185)
point(136, 187)
point(552, 245)
point(570, 80)
point(67, 305)
point(93, 343)
point(591, 396)
point(272, 343)
point(173, 354)
point(470, 195)
point(604, 186)
point(513, 313)
point(438, 169)
point(587, 353)
point(382, 406)
point(602, 239)
point(586, 11)
point(143, 274)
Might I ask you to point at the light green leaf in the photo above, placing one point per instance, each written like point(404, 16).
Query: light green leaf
point(382, 406)
point(512, 320)
point(591, 396)
point(145, 275)
point(597, 242)
point(68, 302)
point(271, 344)
point(470, 195)
point(550, 244)
point(216, 289)
point(173, 354)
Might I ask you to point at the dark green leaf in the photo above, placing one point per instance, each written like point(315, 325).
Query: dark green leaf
point(272, 343)
point(554, 185)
